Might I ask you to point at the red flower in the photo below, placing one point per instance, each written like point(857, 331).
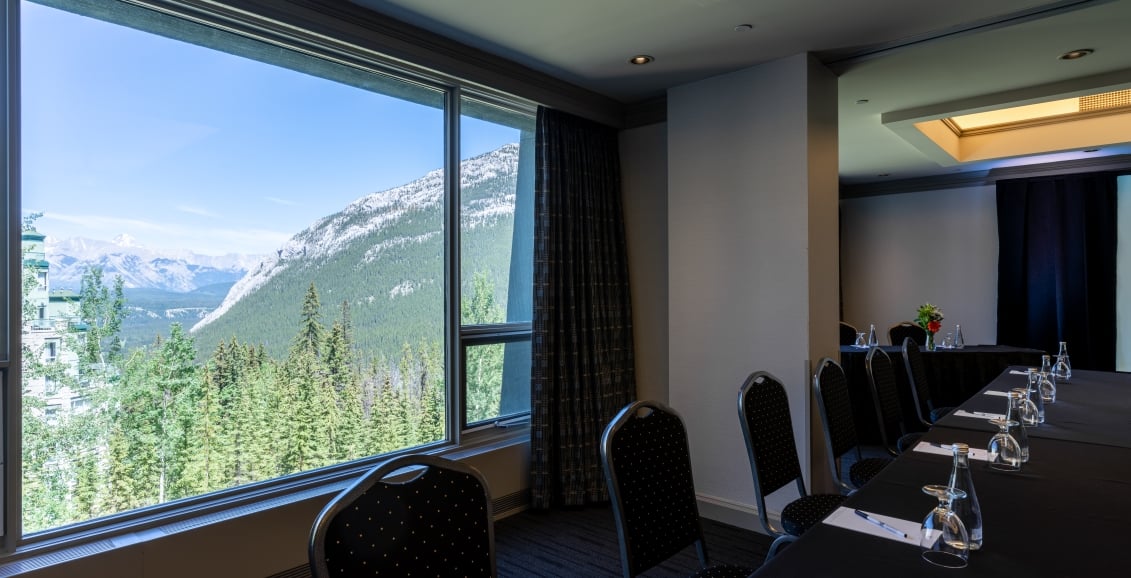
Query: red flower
point(934, 326)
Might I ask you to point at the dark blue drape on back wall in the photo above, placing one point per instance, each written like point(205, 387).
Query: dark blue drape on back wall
point(581, 341)
point(1056, 266)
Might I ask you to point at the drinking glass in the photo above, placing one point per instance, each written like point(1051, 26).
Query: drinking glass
point(1004, 451)
point(948, 341)
point(942, 536)
point(860, 340)
point(959, 342)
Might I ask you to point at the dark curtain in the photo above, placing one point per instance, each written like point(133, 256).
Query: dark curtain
point(581, 341)
point(1056, 266)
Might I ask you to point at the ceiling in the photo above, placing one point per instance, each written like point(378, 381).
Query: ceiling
point(905, 59)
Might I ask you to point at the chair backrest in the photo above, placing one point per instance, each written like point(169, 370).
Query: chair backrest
point(917, 377)
point(648, 468)
point(904, 329)
point(835, 405)
point(885, 395)
point(847, 334)
point(763, 412)
point(438, 521)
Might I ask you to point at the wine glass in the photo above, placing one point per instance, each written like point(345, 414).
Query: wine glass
point(1027, 411)
point(1033, 392)
point(1004, 451)
point(942, 536)
point(1047, 387)
point(860, 340)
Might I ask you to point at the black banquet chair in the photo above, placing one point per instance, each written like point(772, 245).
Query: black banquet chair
point(648, 468)
point(847, 334)
point(835, 406)
point(889, 410)
point(763, 412)
point(904, 329)
point(434, 520)
point(925, 407)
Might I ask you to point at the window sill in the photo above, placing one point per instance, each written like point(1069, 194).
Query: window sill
point(220, 518)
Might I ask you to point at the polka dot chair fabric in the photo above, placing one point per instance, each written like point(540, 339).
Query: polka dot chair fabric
point(438, 522)
point(920, 387)
point(885, 394)
point(763, 411)
point(835, 406)
point(648, 469)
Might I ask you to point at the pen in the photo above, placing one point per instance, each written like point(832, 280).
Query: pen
point(881, 524)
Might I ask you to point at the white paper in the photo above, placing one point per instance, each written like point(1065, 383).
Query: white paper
point(995, 392)
point(984, 415)
point(1018, 372)
point(846, 518)
point(929, 448)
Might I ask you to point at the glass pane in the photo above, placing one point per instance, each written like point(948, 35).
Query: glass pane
point(496, 214)
point(239, 256)
point(498, 380)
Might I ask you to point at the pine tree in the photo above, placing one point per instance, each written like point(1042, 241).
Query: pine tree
point(310, 336)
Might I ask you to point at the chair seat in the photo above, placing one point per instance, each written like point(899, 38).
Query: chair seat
point(723, 571)
point(806, 512)
point(939, 412)
point(864, 470)
point(907, 441)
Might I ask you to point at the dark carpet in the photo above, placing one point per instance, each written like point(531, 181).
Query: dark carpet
point(582, 542)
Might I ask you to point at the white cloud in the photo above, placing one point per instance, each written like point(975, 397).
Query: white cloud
point(279, 201)
point(196, 211)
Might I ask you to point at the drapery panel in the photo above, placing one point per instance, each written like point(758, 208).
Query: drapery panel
point(583, 367)
point(1056, 266)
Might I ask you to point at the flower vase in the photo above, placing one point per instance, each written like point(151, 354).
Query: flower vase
point(930, 341)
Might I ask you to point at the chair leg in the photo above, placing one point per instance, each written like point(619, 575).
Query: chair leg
point(779, 542)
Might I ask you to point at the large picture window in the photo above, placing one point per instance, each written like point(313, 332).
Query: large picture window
point(237, 261)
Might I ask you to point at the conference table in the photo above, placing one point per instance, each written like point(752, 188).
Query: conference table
point(1065, 513)
point(954, 374)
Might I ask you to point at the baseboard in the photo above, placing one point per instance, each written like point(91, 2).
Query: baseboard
point(734, 513)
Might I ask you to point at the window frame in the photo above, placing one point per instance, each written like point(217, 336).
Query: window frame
point(311, 41)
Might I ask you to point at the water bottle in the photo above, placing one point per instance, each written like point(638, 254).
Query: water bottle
point(1062, 369)
point(959, 342)
point(872, 341)
point(1015, 426)
point(968, 508)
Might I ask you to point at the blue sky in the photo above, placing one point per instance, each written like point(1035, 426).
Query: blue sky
point(216, 154)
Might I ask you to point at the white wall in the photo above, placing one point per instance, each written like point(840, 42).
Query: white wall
point(644, 189)
point(899, 251)
point(740, 166)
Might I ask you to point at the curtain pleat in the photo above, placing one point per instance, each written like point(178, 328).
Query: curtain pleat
point(583, 367)
point(1056, 266)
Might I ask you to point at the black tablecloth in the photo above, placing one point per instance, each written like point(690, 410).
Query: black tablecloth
point(955, 375)
point(1094, 408)
point(1064, 514)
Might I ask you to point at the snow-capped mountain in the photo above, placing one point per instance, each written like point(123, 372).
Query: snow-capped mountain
point(140, 267)
point(386, 223)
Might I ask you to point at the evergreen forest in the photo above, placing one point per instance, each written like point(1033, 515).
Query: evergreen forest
point(163, 422)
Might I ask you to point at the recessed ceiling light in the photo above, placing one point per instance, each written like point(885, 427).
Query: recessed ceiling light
point(1074, 54)
point(641, 59)
point(743, 27)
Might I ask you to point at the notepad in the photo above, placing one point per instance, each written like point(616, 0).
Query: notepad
point(985, 415)
point(995, 392)
point(846, 518)
point(929, 448)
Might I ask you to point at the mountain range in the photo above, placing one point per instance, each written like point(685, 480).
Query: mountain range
point(382, 256)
